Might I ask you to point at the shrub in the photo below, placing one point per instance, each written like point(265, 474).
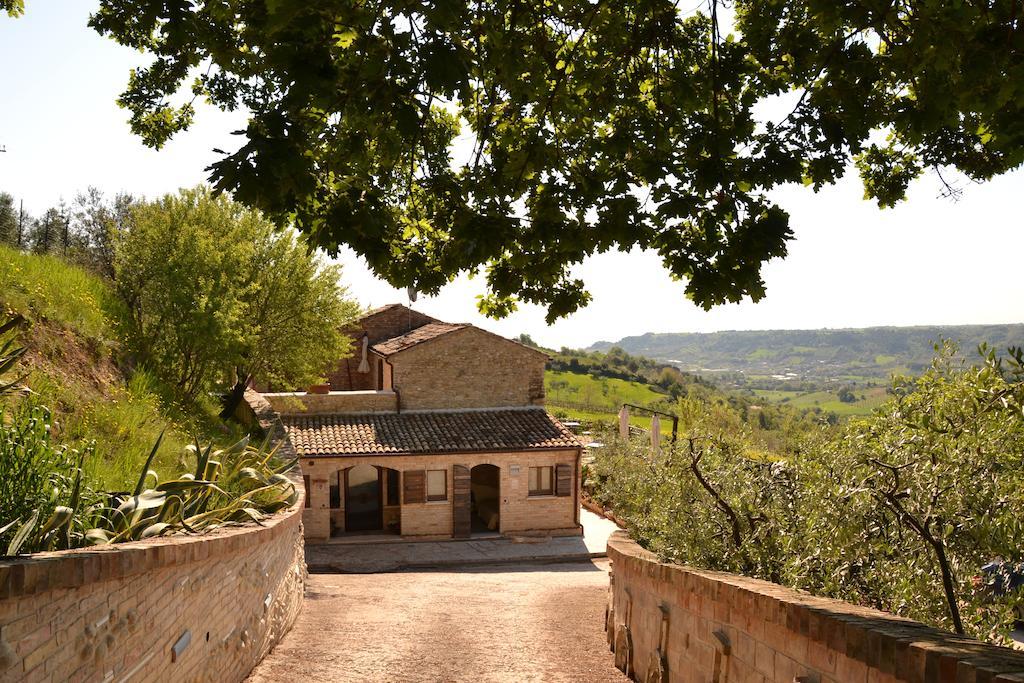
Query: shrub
point(34, 472)
point(914, 510)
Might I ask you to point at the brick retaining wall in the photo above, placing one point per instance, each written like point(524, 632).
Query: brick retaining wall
point(178, 608)
point(117, 612)
point(673, 623)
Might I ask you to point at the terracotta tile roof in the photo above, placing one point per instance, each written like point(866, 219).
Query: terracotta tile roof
point(417, 336)
point(427, 432)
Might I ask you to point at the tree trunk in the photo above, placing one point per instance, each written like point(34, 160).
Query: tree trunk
point(234, 397)
point(948, 583)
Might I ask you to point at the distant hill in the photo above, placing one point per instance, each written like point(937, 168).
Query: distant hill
point(813, 355)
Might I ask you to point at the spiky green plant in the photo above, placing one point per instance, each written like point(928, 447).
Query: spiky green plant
point(10, 354)
point(237, 485)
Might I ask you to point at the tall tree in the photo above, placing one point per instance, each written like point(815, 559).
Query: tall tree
point(23, 220)
point(45, 236)
point(98, 224)
point(590, 125)
point(8, 220)
point(216, 293)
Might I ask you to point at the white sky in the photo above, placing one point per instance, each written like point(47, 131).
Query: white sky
point(929, 261)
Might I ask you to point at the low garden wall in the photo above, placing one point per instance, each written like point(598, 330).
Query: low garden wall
point(195, 608)
point(672, 623)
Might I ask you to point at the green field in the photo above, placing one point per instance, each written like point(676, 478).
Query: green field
point(828, 400)
point(600, 393)
point(590, 399)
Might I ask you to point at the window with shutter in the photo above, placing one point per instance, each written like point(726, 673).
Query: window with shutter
point(563, 483)
point(540, 481)
point(414, 487)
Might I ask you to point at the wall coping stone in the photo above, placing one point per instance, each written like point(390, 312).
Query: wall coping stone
point(882, 641)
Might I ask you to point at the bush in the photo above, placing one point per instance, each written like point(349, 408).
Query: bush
point(34, 472)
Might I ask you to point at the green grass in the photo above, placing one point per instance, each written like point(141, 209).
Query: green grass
point(600, 393)
point(828, 400)
point(47, 288)
point(73, 370)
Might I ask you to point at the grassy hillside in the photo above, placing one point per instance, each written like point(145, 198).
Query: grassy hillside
point(598, 399)
point(599, 393)
point(77, 367)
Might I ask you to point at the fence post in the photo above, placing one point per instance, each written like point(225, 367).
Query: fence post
point(624, 423)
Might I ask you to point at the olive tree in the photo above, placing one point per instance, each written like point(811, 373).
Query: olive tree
point(914, 510)
point(217, 295)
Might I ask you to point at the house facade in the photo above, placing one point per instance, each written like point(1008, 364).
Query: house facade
point(432, 430)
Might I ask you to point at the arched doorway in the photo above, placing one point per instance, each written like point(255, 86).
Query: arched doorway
point(485, 499)
point(363, 509)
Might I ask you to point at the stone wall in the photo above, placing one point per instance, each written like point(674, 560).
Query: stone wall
point(182, 608)
point(468, 368)
point(300, 403)
point(673, 623)
point(519, 513)
point(387, 322)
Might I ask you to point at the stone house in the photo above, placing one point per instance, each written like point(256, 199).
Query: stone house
point(432, 430)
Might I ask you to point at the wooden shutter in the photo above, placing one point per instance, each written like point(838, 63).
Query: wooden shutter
point(414, 486)
point(563, 480)
point(460, 501)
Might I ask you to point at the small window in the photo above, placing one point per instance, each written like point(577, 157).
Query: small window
point(540, 481)
point(437, 485)
point(305, 483)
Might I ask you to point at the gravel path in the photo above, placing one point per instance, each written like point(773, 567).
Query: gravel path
point(509, 623)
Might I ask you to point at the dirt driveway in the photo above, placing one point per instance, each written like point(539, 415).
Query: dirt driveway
point(508, 623)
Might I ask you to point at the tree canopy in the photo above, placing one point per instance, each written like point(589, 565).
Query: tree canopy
point(520, 136)
point(217, 296)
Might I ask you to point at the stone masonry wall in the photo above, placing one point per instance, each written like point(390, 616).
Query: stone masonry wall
point(388, 322)
point(300, 403)
point(673, 623)
point(469, 368)
point(519, 514)
point(197, 608)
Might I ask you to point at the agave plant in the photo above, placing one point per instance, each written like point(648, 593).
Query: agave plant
point(10, 354)
point(236, 485)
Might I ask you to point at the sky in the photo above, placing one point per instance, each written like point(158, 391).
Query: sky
point(931, 260)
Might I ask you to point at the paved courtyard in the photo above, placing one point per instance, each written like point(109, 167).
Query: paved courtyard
point(381, 554)
point(509, 623)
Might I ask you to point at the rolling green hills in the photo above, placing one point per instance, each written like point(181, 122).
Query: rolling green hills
point(841, 355)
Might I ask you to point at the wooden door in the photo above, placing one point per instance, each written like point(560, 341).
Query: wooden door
point(460, 501)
